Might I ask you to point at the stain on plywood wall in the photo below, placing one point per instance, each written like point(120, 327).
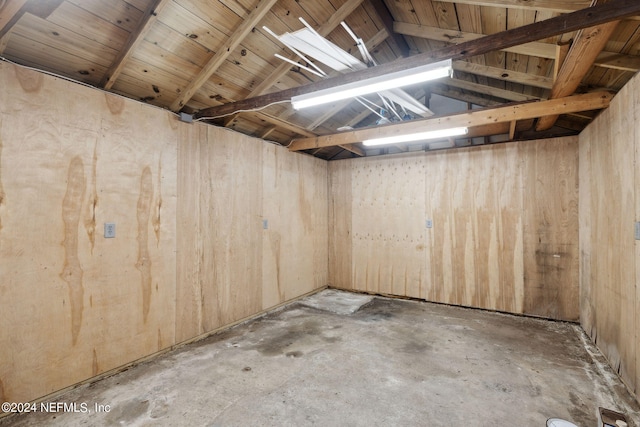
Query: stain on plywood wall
point(68, 166)
point(481, 203)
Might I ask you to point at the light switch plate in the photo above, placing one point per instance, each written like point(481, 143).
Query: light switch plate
point(109, 230)
point(637, 231)
point(428, 223)
point(265, 224)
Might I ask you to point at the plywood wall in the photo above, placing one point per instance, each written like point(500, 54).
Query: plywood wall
point(610, 255)
point(72, 303)
point(190, 253)
point(504, 235)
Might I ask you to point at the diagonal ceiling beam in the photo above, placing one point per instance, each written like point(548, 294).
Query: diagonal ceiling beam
point(387, 20)
point(542, 50)
point(561, 6)
point(504, 114)
point(584, 50)
point(223, 53)
point(600, 14)
point(613, 60)
point(149, 17)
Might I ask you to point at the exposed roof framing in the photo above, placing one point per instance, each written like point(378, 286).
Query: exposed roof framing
point(213, 58)
point(597, 15)
point(135, 37)
point(473, 118)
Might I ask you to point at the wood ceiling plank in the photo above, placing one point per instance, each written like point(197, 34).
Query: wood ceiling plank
point(502, 74)
point(189, 24)
point(89, 25)
point(21, 49)
point(618, 61)
point(503, 114)
point(494, 21)
point(10, 13)
point(513, 61)
point(215, 14)
point(47, 34)
point(470, 20)
point(614, 10)
point(340, 15)
point(585, 48)
point(148, 18)
point(561, 6)
point(117, 12)
point(225, 50)
point(385, 16)
point(544, 50)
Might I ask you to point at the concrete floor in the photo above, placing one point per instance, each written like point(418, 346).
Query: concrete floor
point(336, 359)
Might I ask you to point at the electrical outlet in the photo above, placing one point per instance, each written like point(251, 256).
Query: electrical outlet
point(265, 224)
point(428, 223)
point(109, 230)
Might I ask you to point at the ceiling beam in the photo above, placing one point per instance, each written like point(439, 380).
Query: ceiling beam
point(324, 30)
point(585, 48)
point(489, 90)
point(561, 6)
point(612, 60)
point(612, 11)
point(542, 50)
point(239, 34)
point(354, 149)
point(149, 17)
point(454, 93)
point(504, 75)
point(503, 114)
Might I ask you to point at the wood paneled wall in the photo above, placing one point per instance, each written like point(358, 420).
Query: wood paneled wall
point(610, 255)
point(190, 253)
point(504, 235)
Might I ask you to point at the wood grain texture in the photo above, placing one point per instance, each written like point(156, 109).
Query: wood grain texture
point(609, 208)
point(77, 302)
point(187, 200)
point(339, 194)
point(479, 200)
point(295, 243)
point(551, 228)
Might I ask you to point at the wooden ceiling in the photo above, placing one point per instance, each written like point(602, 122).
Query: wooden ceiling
point(212, 59)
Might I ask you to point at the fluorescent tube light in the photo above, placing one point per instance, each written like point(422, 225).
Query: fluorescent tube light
point(420, 136)
point(375, 84)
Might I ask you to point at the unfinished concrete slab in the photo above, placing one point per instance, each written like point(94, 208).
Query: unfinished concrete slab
point(391, 362)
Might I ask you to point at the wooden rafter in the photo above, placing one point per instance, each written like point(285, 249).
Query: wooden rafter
point(585, 48)
point(387, 20)
point(503, 114)
point(12, 11)
point(223, 53)
point(561, 6)
point(543, 50)
point(149, 17)
point(612, 11)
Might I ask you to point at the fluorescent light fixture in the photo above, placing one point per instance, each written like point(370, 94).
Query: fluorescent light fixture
point(375, 84)
point(420, 136)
